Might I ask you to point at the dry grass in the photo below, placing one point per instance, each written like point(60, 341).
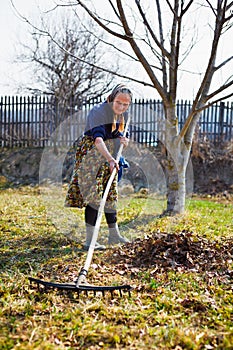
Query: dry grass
point(175, 304)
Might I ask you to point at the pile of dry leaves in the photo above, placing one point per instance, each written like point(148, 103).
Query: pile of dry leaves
point(183, 251)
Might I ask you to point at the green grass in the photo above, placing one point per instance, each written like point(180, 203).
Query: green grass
point(170, 308)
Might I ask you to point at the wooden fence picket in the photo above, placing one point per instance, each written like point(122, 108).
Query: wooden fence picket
point(32, 121)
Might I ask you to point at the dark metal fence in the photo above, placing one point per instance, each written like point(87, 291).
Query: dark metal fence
point(39, 121)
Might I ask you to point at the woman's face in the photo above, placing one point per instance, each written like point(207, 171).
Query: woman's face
point(121, 103)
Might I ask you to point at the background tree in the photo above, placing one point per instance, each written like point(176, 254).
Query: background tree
point(52, 57)
point(161, 51)
point(57, 55)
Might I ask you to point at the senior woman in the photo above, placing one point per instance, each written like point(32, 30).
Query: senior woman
point(95, 160)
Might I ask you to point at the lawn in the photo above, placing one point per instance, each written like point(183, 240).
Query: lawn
point(180, 269)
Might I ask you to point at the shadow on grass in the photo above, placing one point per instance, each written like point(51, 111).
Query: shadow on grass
point(28, 252)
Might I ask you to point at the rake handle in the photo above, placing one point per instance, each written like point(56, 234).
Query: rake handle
point(84, 271)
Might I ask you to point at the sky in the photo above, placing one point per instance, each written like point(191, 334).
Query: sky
point(9, 25)
point(13, 75)
point(12, 29)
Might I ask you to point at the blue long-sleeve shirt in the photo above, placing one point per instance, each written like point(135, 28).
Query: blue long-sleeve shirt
point(99, 124)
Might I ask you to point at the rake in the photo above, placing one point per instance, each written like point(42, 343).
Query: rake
point(81, 284)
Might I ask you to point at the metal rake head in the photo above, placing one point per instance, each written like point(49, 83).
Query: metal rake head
point(82, 288)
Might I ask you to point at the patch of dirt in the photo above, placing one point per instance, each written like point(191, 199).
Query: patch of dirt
point(212, 168)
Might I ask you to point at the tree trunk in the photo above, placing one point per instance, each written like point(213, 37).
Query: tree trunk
point(176, 163)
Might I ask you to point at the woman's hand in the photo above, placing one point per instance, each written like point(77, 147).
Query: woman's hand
point(124, 140)
point(113, 164)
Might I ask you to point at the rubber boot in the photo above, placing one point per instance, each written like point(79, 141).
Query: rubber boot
point(115, 236)
point(89, 234)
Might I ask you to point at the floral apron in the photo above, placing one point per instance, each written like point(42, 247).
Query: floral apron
point(90, 176)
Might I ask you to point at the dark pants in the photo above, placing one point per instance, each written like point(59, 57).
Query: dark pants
point(91, 216)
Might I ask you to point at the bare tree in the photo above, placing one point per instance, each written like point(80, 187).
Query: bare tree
point(57, 55)
point(52, 57)
point(63, 56)
point(161, 51)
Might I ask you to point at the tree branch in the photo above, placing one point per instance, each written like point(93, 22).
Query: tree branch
point(216, 92)
point(158, 43)
point(46, 33)
point(185, 9)
point(138, 53)
point(223, 63)
point(133, 58)
point(114, 9)
point(229, 6)
point(100, 23)
point(163, 61)
point(210, 68)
